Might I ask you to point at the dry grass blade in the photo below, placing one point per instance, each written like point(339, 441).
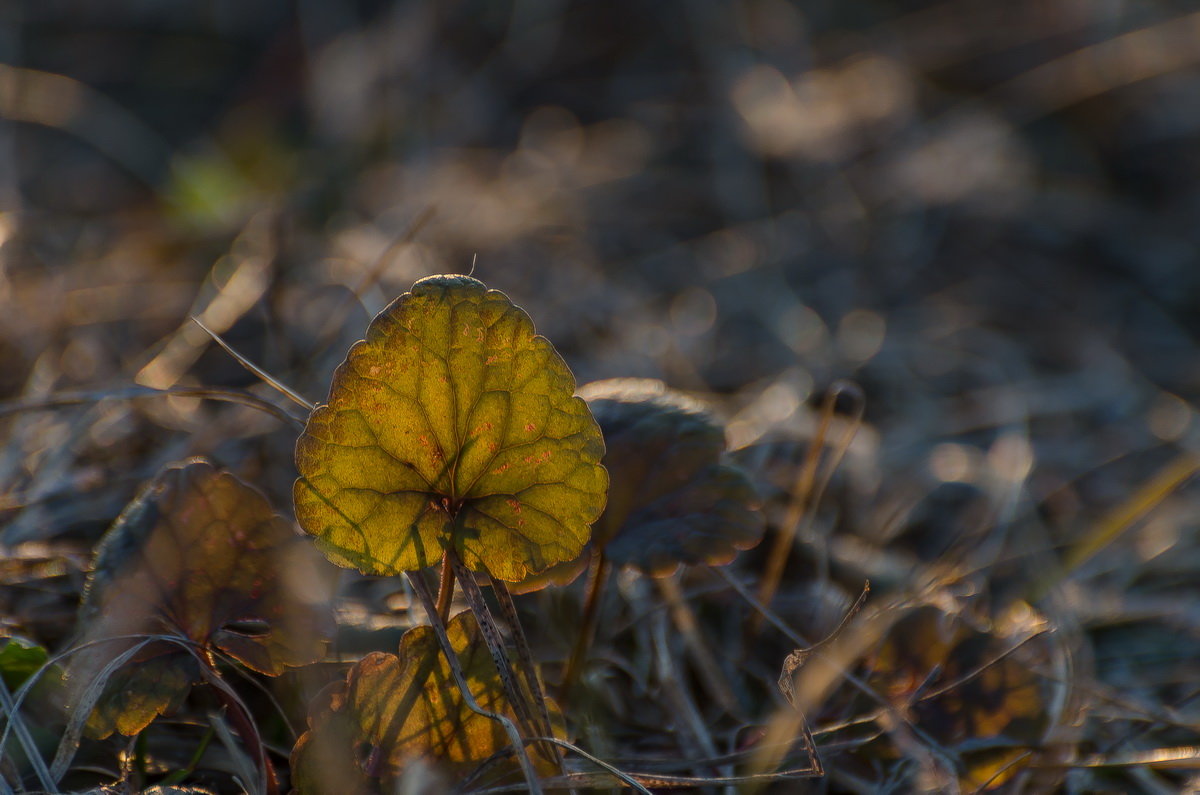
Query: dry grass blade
point(247, 774)
point(1186, 757)
point(243, 721)
point(137, 392)
point(262, 374)
point(233, 286)
point(1140, 503)
point(694, 738)
point(1098, 68)
point(528, 667)
point(686, 622)
point(514, 735)
point(90, 696)
point(25, 739)
point(495, 643)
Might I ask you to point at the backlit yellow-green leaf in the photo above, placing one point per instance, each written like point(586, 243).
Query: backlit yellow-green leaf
point(393, 711)
point(452, 425)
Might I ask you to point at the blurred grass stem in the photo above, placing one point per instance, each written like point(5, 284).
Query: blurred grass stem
point(805, 493)
point(598, 577)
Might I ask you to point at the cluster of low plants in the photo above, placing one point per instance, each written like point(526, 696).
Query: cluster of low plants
point(559, 558)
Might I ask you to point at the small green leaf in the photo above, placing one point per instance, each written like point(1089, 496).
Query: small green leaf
point(393, 711)
point(201, 556)
point(20, 659)
point(452, 425)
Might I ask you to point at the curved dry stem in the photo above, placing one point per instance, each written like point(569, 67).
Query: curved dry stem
point(242, 720)
point(495, 643)
point(73, 733)
point(439, 630)
point(528, 668)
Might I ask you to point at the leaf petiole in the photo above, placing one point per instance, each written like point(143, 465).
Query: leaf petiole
point(445, 589)
point(179, 776)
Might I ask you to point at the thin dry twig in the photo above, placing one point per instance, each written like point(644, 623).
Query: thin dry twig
point(64, 399)
point(262, 374)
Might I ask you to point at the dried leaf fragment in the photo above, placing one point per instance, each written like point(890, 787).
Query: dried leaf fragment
point(673, 499)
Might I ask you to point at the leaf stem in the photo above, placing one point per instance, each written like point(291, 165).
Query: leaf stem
point(138, 773)
point(180, 776)
point(445, 589)
point(601, 569)
point(242, 722)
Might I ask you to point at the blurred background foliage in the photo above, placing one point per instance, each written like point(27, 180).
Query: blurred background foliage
point(982, 212)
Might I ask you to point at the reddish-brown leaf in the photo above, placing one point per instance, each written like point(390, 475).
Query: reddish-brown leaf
point(200, 556)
